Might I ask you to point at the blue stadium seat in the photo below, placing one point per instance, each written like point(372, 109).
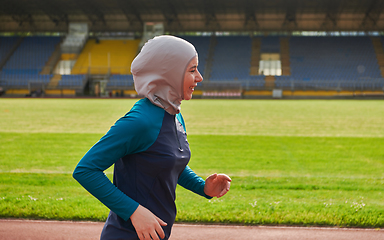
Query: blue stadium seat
point(123, 80)
point(232, 58)
point(6, 44)
point(72, 81)
point(333, 58)
point(28, 60)
point(270, 44)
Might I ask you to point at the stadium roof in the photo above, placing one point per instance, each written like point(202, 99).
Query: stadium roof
point(196, 15)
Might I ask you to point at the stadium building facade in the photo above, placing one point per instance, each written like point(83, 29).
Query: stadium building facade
point(247, 49)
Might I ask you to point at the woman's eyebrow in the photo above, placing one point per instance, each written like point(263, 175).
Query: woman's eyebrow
point(194, 66)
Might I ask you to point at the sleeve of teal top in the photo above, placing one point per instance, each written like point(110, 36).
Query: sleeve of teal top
point(132, 133)
point(191, 181)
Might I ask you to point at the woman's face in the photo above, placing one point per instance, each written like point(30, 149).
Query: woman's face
point(191, 78)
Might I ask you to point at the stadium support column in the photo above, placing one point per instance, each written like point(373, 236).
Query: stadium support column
point(378, 46)
point(209, 62)
point(255, 56)
point(270, 82)
point(52, 61)
point(284, 56)
point(10, 53)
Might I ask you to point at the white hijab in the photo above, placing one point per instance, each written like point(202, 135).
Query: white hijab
point(158, 71)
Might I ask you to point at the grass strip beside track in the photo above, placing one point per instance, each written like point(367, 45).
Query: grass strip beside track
point(252, 200)
point(276, 180)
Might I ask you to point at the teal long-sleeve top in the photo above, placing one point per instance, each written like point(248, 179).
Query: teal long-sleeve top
point(150, 151)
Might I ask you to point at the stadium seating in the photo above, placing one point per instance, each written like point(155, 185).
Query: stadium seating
point(28, 60)
point(321, 61)
point(21, 78)
point(120, 81)
point(314, 62)
point(72, 81)
point(102, 55)
point(6, 44)
point(333, 58)
point(31, 55)
point(231, 60)
point(270, 44)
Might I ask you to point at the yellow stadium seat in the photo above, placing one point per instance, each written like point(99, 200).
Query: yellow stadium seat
point(106, 56)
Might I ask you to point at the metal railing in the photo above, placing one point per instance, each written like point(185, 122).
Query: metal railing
point(225, 85)
point(338, 85)
point(100, 70)
point(220, 86)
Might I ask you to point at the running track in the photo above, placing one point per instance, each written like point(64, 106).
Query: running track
point(66, 230)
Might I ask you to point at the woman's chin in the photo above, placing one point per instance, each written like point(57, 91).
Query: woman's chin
point(188, 97)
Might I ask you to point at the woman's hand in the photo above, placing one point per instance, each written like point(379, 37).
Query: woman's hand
point(217, 185)
point(147, 225)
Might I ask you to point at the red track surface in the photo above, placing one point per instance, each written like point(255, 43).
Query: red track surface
point(57, 230)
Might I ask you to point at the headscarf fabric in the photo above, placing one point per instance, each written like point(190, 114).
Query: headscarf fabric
point(158, 71)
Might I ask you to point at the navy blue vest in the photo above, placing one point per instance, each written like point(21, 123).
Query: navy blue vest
point(150, 178)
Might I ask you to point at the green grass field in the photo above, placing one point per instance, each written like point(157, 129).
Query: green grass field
point(295, 162)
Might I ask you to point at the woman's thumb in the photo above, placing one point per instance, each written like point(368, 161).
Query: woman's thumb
point(211, 177)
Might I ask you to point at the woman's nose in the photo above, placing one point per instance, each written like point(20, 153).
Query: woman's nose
point(199, 78)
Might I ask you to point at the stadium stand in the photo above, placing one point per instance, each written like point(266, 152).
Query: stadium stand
point(310, 63)
point(27, 61)
point(231, 58)
point(270, 44)
point(255, 56)
point(73, 81)
point(73, 43)
point(120, 81)
point(378, 44)
point(330, 62)
point(241, 46)
point(22, 77)
point(106, 57)
point(6, 45)
point(284, 56)
point(31, 55)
